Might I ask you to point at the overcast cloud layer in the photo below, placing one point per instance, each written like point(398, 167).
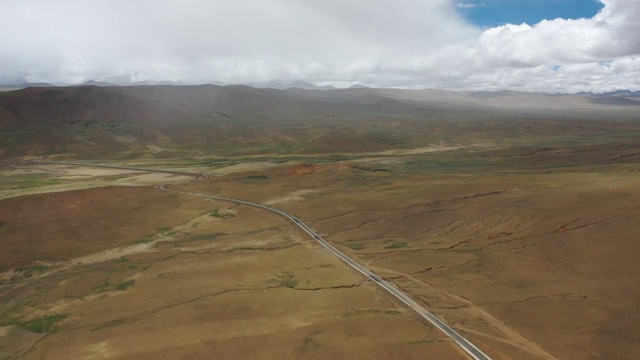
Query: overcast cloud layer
point(406, 43)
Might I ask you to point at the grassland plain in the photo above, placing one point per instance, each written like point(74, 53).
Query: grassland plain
point(515, 225)
point(174, 298)
point(519, 260)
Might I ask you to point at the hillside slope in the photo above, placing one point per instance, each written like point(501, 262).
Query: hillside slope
point(209, 120)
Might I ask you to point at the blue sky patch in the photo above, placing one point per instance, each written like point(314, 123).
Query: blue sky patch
point(490, 13)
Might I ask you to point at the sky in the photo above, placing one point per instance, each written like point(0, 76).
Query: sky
point(525, 45)
point(490, 13)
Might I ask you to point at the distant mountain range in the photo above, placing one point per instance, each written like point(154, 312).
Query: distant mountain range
point(619, 93)
point(282, 85)
point(25, 85)
point(122, 122)
point(290, 85)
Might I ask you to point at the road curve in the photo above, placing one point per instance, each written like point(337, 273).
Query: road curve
point(465, 344)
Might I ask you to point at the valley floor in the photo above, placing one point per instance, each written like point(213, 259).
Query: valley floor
point(529, 261)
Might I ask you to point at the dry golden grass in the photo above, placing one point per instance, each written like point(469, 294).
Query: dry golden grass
point(247, 284)
point(528, 264)
point(66, 225)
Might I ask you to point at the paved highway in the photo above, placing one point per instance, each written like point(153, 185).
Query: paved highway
point(465, 344)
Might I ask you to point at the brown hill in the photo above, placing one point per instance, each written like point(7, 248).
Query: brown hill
point(170, 121)
point(136, 104)
point(157, 103)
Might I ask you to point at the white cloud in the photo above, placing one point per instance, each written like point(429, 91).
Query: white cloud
point(468, 5)
point(516, 54)
point(410, 43)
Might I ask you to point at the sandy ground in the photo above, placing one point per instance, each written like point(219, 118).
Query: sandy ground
point(294, 196)
point(248, 166)
point(59, 178)
point(422, 150)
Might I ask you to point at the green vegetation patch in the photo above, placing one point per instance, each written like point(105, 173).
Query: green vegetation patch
point(397, 246)
point(23, 182)
point(102, 287)
point(124, 285)
point(286, 280)
point(355, 246)
point(221, 215)
point(144, 240)
point(165, 231)
point(42, 325)
point(28, 272)
point(107, 285)
point(159, 232)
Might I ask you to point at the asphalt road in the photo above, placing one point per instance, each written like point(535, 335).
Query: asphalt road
point(465, 344)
